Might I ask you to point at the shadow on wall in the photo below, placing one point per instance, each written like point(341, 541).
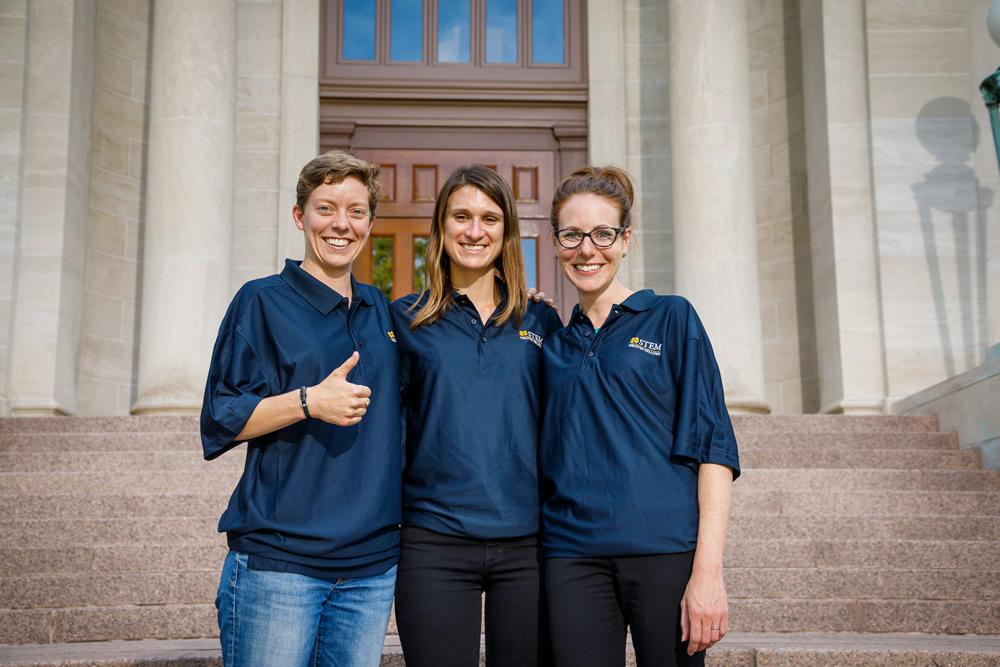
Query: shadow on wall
point(946, 128)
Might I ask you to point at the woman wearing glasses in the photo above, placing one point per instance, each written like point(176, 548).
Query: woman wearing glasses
point(637, 453)
point(470, 361)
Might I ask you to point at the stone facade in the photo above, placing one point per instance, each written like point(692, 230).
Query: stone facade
point(848, 219)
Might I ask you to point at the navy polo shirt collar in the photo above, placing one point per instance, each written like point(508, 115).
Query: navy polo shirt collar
point(319, 296)
point(636, 302)
point(464, 300)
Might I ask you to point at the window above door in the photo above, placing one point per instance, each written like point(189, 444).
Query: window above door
point(472, 48)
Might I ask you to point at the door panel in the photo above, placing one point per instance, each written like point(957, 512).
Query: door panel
point(411, 180)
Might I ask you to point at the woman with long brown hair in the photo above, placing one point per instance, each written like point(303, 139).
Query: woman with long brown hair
point(470, 361)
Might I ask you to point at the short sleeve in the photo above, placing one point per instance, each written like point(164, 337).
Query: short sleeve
point(703, 432)
point(236, 384)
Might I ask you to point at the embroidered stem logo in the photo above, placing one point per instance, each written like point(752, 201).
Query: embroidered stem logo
point(532, 336)
point(392, 336)
point(645, 345)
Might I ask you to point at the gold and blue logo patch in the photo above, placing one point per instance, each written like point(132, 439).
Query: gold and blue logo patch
point(532, 336)
point(646, 346)
point(392, 336)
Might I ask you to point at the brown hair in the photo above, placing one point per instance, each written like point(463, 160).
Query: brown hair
point(509, 264)
point(612, 183)
point(334, 167)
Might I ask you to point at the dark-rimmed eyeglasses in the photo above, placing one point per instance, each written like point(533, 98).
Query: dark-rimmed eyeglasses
point(602, 237)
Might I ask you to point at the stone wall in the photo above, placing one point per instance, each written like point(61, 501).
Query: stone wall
point(930, 208)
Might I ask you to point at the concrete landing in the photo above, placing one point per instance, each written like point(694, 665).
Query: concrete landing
point(739, 649)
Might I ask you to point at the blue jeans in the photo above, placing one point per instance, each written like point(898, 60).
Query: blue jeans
point(286, 619)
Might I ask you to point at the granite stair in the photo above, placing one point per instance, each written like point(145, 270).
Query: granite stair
point(853, 540)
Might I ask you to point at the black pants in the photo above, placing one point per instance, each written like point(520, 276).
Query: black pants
point(593, 600)
point(439, 587)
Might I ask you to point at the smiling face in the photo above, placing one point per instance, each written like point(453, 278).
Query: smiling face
point(591, 269)
point(336, 222)
point(473, 233)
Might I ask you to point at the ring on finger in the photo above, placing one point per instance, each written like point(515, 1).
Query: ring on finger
point(368, 402)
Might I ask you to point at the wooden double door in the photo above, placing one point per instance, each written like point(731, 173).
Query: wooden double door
point(394, 257)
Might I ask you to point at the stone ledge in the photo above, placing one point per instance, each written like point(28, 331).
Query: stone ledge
point(738, 648)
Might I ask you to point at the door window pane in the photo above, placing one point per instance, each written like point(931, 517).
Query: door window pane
point(529, 248)
point(358, 39)
point(547, 32)
point(419, 257)
point(501, 31)
point(453, 31)
point(382, 264)
point(407, 31)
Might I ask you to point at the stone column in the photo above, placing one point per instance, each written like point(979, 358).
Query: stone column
point(715, 236)
point(50, 261)
point(842, 231)
point(300, 60)
point(189, 200)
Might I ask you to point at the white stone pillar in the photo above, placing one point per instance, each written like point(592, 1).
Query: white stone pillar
point(842, 231)
point(50, 262)
point(300, 60)
point(189, 200)
point(715, 236)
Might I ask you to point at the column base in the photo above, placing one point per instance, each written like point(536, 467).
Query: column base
point(166, 406)
point(30, 409)
point(860, 406)
point(745, 405)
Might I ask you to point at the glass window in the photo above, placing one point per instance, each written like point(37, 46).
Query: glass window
point(501, 31)
point(358, 39)
point(382, 264)
point(453, 31)
point(529, 248)
point(407, 31)
point(419, 257)
point(547, 32)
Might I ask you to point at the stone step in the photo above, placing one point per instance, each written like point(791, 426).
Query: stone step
point(802, 649)
point(34, 626)
point(224, 478)
point(840, 424)
point(106, 532)
point(107, 590)
point(125, 482)
point(909, 440)
point(116, 461)
point(892, 527)
point(162, 588)
point(862, 583)
point(187, 441)
point(132, 425)
point(164, 558)
point(899, 459)
point(82, 624)
point(797, 615)
point(747, 502)
point(802, 479)
point(868, 554)
point(752, 459)
point(68, 506)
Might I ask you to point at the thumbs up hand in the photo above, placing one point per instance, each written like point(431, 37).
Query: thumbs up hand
point(337, 401)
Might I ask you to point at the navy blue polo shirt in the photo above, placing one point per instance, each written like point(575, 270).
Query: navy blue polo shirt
point(630, 412)
point(473, 399)
point(315, 498)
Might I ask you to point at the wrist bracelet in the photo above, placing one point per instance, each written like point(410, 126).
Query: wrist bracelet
point(303, 403)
